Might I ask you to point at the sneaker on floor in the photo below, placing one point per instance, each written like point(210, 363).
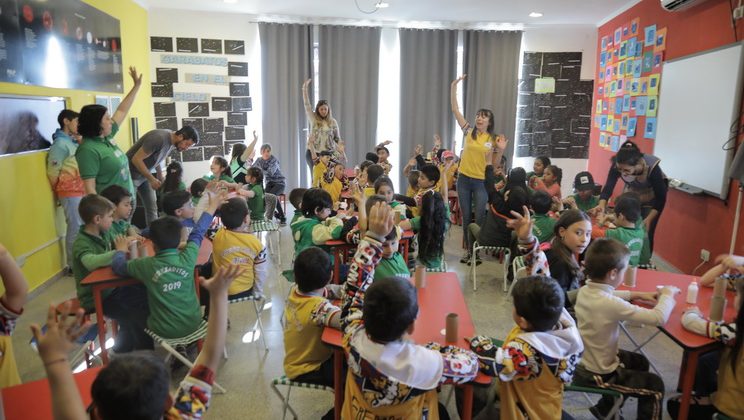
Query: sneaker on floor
point(477, 260)
point(700, 407)
point(465, 259)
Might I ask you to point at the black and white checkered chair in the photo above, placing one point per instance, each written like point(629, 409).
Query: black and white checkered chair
point(503, 251)
point(284, 381)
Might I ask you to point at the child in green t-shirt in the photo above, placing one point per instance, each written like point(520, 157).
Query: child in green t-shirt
point(295, 199)
point(584, 198)
point(122, 200)
point(169, 275)
point(543, 225)
point(253, 192)
point(625, 227)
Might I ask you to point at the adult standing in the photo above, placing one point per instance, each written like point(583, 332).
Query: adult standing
point(480, 147)
point(241, 157)
point(323, 129)
point(147, 154)
point(102, 163)
point(64, 176)
point(642, 175)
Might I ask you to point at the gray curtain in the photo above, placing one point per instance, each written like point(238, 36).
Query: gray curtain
point(348, 72)
point(428, 63)
point(286, 62)
point(491, 61)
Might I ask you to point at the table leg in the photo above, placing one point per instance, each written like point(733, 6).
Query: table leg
point(338, 391)
point(467, 402)
point(98, 301)
point(687, 376)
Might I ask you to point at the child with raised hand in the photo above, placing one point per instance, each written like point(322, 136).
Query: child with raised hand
point(92, 250)
point(168, 276)
point(389, 376)
point(572, 233)
point(117, 392)
point(122, 200)
point(11, 307)
point(599, 311)
point(719, 379)
point(307, 312)
point(382, 156)
point(538, 356)
point(550, 182)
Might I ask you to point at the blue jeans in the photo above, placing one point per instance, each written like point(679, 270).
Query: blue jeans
point(470, 191)
point(72, 217)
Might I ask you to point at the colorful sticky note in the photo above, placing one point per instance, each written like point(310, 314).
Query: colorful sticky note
point(653, 106)
point(641, 105)
point(600, 91)
point(604, 106)
point(598, 109)
point(650, 36)
point(616, 126)
point(626, 103)
point(615, 143)
point(604, 43)
point(610, 122)
point(660, 44)
point(602, 139)
point(648, 61)
point(608, 74)
point(639, 49)
point(621, 68)
point(649, 131)
point(635, 25)
point(633, 103)
point(637, 67)
point(619, 36)
point(653, 84)
point(613, 88)
point(619, 104)
point(620, 87)
point(603, 122)
point(644, 85)
point(629, 67)
point(658, 59)
point(603, 59)
point(623, 50)
point(624, 122)
point(632, 122)
point(635, 87)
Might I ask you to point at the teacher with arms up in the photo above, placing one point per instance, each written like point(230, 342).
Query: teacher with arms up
point(323, 129)
point(642, 175)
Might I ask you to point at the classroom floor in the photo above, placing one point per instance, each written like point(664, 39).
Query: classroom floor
point(248, 372)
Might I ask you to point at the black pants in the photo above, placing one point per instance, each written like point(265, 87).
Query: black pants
point(322, 376)
point(652, 229)
point(128, 306)
point(276, 188)
point(632, 379)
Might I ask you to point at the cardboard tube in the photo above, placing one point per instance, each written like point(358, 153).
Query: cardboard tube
point(420, 277)
point(630, 276)
point(719, 287)
point(717, 307)
point(450, 331)
point(133, 250)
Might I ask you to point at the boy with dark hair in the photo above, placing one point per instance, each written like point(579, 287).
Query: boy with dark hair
point(321, 162)
point(64, 176)
point(122, 200)
point(540, 201)
point(599, 310)
point(234, 244)
point(295, 199)
point(370, 157)
point(169, 275)
point(626, 228)
point(307, 311)
point(382, 156)
point(539, 355)
point(135, 386)
point(427, 181)
point(373, 172)
point(91, 250)
point(390, 376)
point(315, 227)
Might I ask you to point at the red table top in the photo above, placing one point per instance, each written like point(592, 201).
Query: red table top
point(647, 281)
point(33, 400)
point(441, 296)
point(407, 234)
point(105, 274)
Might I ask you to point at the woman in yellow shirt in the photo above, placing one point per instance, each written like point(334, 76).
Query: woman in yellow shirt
point(480, 147)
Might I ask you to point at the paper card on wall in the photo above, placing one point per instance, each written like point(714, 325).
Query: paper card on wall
point(610, 122)
point(596, 121)
point(653, 106)
point(615, 53)
point(619, 104)
point(660, 44)
point(615, 143)
point(648, 61)
point(613, 88)
point(649, 132)
point(623, 50)
point(608, 74)
point(633, 103)
point(598, 109)
point(605, 106)
point(658, 60)
point(626, 103)
point(631, 47)
point(635, 25)
point(637, 67)
point(600, 91)
point(626, 30)
point(629, 67)
point(644, 85)
point(624, 122)
point(621, 67)
point(632, 122)
point(641, 105)
point(602, 139)
point(545, 85)
point(618, 36)
point(635, 87)
point(616, 126)
point(650, 36)
point(653, 84)
point(602, 59)
point(620, 87)
point(639, 48)
point(611, 106)
point(604, 43)
point(603, 122)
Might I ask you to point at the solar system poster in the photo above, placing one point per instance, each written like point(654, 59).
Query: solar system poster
point(61, 44)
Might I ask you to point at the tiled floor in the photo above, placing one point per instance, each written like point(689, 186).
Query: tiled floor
point(248, 372)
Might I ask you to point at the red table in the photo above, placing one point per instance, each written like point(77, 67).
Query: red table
point(33, 400)
point(441, 296)
point(693, 345)
point(340, 248)
point(105, 278)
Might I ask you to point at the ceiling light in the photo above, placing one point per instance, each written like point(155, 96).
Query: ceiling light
point(536, 14)
point(382, 5)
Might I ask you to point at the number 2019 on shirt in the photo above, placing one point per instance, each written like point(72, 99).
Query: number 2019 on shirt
point(171, 286)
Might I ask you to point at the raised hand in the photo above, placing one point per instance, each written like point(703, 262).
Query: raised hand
point(381, 220)
point(137, 79)
point(222, 278)
point(307, 83)
point(459, 79)
point(418, 150)
point(437, 141)
point(57, 342)
point(255, 135)
point(501, 142)
point(521, 224)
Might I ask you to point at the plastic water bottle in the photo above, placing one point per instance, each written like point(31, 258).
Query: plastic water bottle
point(692, 292)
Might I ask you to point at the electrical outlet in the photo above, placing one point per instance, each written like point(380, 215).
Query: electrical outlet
point(705, 255)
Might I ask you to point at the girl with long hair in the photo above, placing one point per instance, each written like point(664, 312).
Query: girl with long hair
point(241, 157)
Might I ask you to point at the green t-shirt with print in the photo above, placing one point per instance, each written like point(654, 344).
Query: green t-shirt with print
point(101, 159)
point(87, 244)
point(542, 227)
point(393, 266)
point(256, 203)
point(633, 238)
point(589, 204)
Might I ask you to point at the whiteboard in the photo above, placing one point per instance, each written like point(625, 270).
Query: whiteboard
point(28, 122)
point(699, 104)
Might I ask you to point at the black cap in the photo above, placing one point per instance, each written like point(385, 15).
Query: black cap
point(584, 181)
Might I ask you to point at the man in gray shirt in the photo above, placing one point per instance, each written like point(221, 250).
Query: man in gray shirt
point(147, 154)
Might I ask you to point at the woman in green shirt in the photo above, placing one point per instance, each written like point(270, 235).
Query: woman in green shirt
point(101, 162)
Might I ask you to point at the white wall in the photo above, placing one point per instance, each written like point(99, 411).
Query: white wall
point(563, 38)
point(179, 23)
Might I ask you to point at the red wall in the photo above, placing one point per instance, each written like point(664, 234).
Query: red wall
point(688, 223)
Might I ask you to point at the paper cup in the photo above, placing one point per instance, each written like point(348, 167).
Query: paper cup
point(420, 277)
point(630, 276)
point(450, 328)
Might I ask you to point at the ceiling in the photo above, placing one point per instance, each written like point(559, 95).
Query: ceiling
point(573, 12)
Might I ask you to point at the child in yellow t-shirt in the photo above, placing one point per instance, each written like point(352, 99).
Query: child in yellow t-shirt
point(307, 312)
point(450, 173)
point(321, 164)
point(336, 184)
